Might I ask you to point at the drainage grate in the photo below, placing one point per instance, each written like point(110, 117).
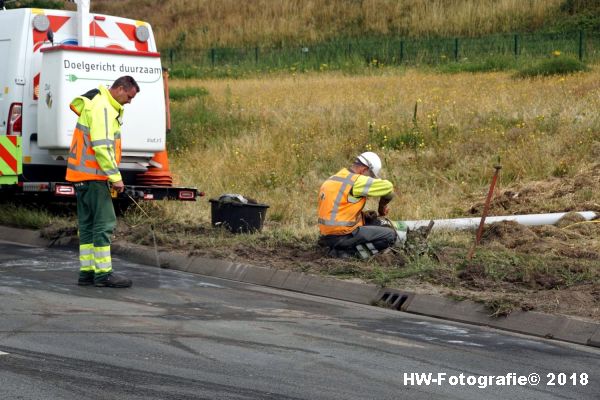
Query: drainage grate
point(393, 300)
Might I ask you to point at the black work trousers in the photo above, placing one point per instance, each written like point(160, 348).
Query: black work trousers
point(381, 237)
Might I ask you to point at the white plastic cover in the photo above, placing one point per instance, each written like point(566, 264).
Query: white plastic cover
point(69, 71)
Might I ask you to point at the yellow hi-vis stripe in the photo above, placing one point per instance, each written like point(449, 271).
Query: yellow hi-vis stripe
point(86, 258)
point(102, 259)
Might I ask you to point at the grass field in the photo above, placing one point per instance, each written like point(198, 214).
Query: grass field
point(276, 139)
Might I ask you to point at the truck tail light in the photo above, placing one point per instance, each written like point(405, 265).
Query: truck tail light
point(64, 190)
point(15, 120)
point(186, 195)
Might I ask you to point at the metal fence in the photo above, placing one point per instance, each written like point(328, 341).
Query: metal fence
point(392, 51)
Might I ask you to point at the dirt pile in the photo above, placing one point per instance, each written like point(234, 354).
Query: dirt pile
point(567, 238)
point(562, 194)
point(551, 268)
point(510, 235)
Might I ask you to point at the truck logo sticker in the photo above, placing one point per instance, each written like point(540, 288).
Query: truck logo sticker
point(73, 78)
point(154, 73)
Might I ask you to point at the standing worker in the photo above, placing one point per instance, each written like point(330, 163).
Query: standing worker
point(92, 166)
point(342, 198)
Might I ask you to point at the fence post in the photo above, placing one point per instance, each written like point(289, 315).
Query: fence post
point(455, 49)
point(581, 45)
point(256, 55)
point(171, 57)
point(212, 57)
point(516, 44)
point(401, 51)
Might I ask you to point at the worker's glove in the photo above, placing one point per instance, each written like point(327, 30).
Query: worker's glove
point(370, 217)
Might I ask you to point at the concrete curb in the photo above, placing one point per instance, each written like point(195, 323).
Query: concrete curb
point(531, 323)
point(280, 279)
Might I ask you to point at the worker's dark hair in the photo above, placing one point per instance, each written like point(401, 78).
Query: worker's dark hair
point(358, 163)
point(126, 82)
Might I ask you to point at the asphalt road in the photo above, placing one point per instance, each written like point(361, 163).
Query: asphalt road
point(175, 335)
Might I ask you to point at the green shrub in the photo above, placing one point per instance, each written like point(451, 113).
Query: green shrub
point(187, 92)
point(560, 65)
point(410, 140)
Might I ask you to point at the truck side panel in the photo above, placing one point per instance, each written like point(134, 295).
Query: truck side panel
point(35, 40)
point(5, 45)
point(12, 53)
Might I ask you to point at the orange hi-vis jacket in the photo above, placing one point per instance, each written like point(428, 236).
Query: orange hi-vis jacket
point(339, 211)
point(96, 147)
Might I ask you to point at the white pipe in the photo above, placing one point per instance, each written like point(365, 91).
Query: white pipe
point(473, 223)
point(83, 23)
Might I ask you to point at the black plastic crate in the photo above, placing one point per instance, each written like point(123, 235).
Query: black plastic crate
point(238, 217)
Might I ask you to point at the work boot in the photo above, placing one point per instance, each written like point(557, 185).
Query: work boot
point(112, 280)
point(339, 253)
point(85, 279)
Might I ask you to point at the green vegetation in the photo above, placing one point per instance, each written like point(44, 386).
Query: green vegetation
point(196, 125)
point(223, 40)
point(47, 4)
point(558, 65)
point(501, 306)
point(194, 25)
point(376, 54)
point(577, 14)
point(25, 216)
point(178, 94)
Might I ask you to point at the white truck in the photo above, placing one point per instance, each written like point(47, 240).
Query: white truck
point(48, 57)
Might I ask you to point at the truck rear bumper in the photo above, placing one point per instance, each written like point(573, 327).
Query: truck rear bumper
point(66, 190)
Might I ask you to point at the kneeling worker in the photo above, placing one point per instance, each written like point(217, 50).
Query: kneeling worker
point(342, 198)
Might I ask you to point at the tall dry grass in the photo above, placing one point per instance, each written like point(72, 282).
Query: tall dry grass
point(206, 23)
point(297, 131)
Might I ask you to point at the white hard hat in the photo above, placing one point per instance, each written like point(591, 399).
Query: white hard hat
point(371, 160)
